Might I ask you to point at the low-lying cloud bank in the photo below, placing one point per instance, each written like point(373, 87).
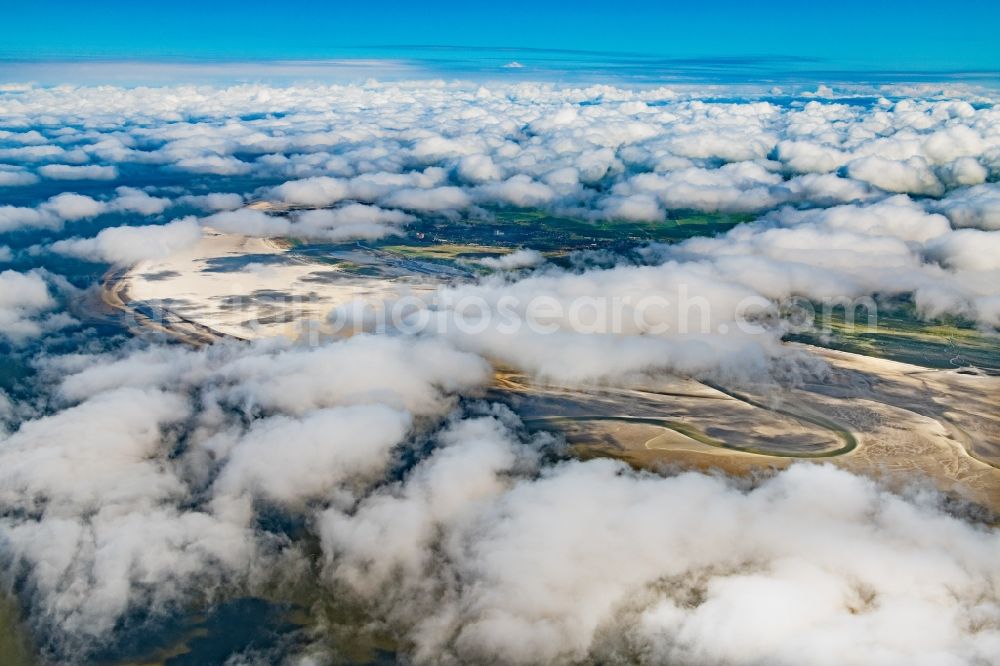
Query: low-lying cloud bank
point(28, 306)
point(153, 479)
point(129, 245)
point(593, 561)
point(143, 484)
point(53, 213)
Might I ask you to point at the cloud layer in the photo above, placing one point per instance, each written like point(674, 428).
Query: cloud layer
point(139, 478)
point(147, 483)
point(594, 561)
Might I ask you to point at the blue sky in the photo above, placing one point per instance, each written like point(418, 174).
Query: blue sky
point(844, 36)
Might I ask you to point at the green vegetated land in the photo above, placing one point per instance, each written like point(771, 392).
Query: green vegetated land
point(539, 230)
point(451, 246)
point(899, 334)
point(15, 648)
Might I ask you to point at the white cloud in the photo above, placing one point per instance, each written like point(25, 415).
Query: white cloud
point(638, 207)
point(808, 157)
point(128, 245)
point(69, 206)
point(977, 207)
point(519, 191)
point(350, 221)
point(967, 249)
point(322, 450)
point(433, 199)
point(593, 560)
point(13, 218)
point(69, 172)
point(11, 176)
point(214, 164)
point(27, 307)
point(214, 201)
point(320, 191)
point(31, 154)
point(963, 171)
point(249, 222)
point(29, 138)
point(743, 186)
point(132, 200)
point(523, 258)
point(630, 142)
point(478, 169)
point(912, 175)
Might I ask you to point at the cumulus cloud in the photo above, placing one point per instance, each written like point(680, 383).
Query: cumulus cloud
point(70, 207)
point(105, 502)
point(519, 191)
point(433, 199)
point(7, 412)
point(341, 223)
point(27, 306)
point(249, 222)
point(977, 207)
point(810, 157)
point(593, 560)
point(601, 324)
point(963, 171)
point(689, 310)
point(69, 172)
point(13, 218)
point(350, 221)
point(133, 495)
point(478, 169)
point(912, 175)
point(323, 450)
point(319, 191)
point(393, 530)
point(523, 258)
point(12, 176)
point(213, 164)
point(638, 207)
point(214, 201)
point(967, 249)
point(891, 247)
point(83, 474)
point(132, 200)
point(129, 245)
point(739, 187)
point(29, 138)
point(42, 153)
